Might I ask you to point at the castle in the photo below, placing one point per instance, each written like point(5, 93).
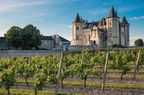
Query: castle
point(105, 33)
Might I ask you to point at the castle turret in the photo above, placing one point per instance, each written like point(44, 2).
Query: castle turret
point(112, 13)
point(76, 27)
point(124, 20)
point(104, 33)
point(113, 28)
point(77, 19)
point(125, 30)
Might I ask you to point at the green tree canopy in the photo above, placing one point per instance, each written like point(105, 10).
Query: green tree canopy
point(13, 36)
point(139, 42)
point(24, 38)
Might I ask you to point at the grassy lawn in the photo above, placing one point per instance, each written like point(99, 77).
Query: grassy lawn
point(108, 85)
point(29, 92)
point(98, 84)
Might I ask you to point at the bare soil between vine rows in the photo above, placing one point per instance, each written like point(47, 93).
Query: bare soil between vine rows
point(83, 91)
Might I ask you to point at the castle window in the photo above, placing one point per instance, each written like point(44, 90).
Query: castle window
point(109, 23)
point(101, 23)
point(94, 42)
point(104, 23)
point(77, 37)
point(77, 28)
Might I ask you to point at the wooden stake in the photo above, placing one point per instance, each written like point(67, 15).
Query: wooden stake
point(137, 65)
point(105, 71)
point(59, 73)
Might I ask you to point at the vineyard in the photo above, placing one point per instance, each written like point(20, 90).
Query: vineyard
point(99, 72)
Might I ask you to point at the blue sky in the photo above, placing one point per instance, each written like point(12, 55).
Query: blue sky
point(56, 16)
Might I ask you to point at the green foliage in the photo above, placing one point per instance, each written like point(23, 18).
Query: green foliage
point(120, 62)
point(138, 42)
point(14, 36)
point(30, 37)
point(24, 38)
point(30, 92)
point(67, 71)
point(7, 79)
point(44, 69)
point(5, 63)
point(98, 58)
point(83, 68)
point(118, 46)
point(39, 82)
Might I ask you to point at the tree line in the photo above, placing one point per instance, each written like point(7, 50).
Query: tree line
point(23, 38)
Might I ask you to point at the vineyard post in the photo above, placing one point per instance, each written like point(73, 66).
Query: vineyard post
point(105, 71)
point(59, 73)
point(137, 64)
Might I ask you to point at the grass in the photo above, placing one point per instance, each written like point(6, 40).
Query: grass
point(98, 84)
point(108, 85)
point(117, 71)
point(29, 92)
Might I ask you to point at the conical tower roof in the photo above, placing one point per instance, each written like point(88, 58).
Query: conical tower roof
point(112, 13)
point(77, 19)
point(124, 20)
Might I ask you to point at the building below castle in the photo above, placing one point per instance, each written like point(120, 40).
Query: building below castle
point(105, 33)
point(54, 42)
point(47, 42)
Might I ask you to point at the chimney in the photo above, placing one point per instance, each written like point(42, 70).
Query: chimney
point(4, 35)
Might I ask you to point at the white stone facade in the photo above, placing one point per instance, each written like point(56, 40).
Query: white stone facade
point(107, 32)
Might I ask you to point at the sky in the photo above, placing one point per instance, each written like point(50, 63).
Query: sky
point(56, 16)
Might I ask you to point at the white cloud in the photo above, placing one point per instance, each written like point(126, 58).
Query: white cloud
point(137, 18)
point(70, 26)
point(11, 6)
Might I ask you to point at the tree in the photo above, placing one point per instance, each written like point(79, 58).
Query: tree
point(24, 38)
point(13, 36)
point(30, 37)
point(139, 42)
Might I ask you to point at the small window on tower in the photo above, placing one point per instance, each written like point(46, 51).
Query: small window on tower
point(109, 23)
point(105, 23)
point(77, 28)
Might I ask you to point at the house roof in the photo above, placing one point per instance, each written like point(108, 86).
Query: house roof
point(2, 38)
point(52, 38)
point(46, 38)
point(63, 39)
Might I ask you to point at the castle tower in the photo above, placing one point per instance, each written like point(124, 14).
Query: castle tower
point(112, 28)
point(76, 28)
point(125, 29)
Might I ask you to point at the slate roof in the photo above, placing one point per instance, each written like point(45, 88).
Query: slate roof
point(124, 20)
point(46, 38)
point(90, 25)
point(2, 38)
point(112, 13)
point(64, 40)
point(77, 19)
point(52, 39)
